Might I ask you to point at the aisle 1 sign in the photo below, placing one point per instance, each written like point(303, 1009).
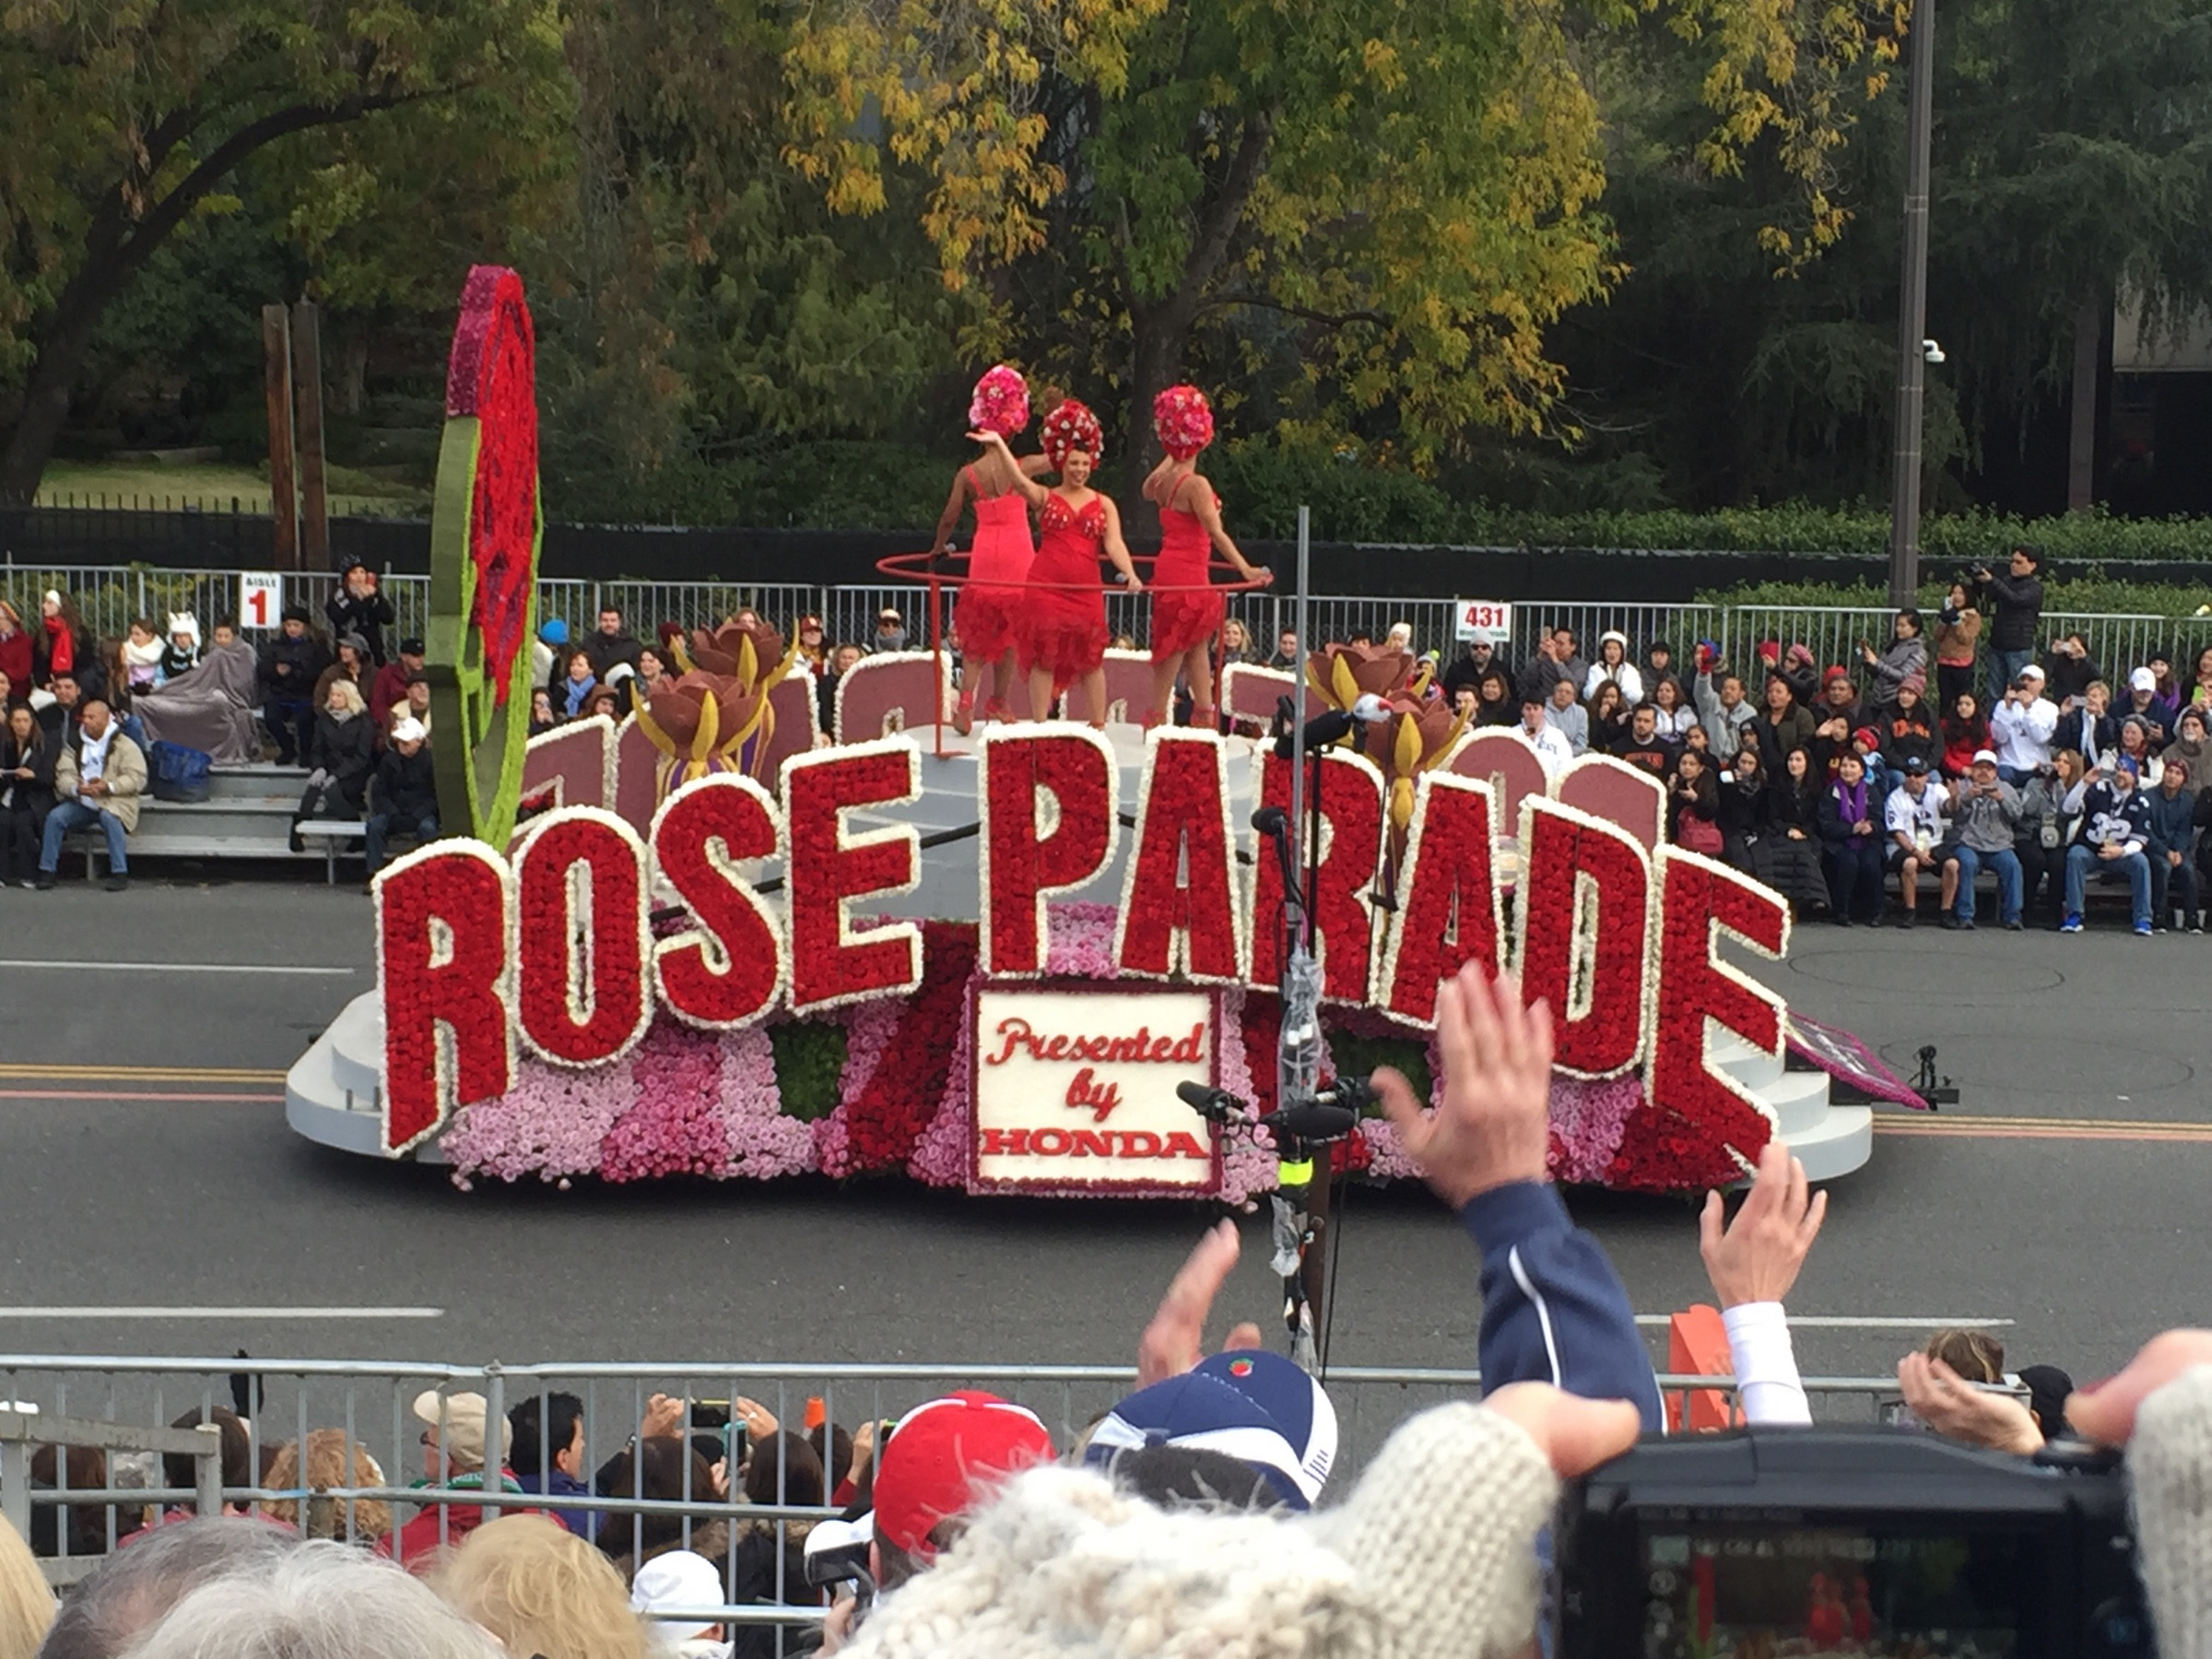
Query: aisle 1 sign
point(1493, 614)
point(260, 599)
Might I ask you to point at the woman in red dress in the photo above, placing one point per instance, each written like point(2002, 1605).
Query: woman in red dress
point(998, 563)
point(1063, 638)
point(1186, 614)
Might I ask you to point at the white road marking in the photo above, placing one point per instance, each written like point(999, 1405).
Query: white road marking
point(49, 967)
point(119, 1312)
point(1854, 1322)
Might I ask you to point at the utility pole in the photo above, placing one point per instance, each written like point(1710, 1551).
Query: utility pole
point(1913, 312)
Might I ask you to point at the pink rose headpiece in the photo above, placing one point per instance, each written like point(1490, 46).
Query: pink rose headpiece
point(1183, 421)
point(1069, 428)
point(1001, 402)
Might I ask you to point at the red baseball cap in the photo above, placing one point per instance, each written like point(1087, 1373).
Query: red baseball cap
point(945, 1457)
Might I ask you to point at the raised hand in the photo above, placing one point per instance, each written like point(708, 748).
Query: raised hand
point(1493, 1128)
point(1175, 1340)
point(1756, 1257)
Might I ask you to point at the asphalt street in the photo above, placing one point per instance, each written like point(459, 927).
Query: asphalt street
point(145, 1165)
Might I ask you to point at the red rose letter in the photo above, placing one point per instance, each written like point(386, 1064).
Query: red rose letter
point(725, 973)
point(1583, 919)
point(1699, 897)
point(1179, 908)
point(1069, 773)
point(1351, 843)
point(1448, 910)
point(582, 939)
point(828, 868)
point(442, 925)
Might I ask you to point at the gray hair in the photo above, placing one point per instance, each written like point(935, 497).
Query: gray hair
point(136, 1586)
point(314, 1601)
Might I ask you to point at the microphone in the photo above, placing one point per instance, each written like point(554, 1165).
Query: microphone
point(1335, 723)
point(1271, 820)
point(1216, 1105)
point(1313, 1121)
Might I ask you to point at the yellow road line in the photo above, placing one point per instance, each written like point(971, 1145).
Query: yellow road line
point(144, 1074)
point(1954, 1128)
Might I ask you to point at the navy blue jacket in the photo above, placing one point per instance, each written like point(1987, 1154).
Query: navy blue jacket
point(1553, 1310)
point(2172, 818)
point(583, 1522)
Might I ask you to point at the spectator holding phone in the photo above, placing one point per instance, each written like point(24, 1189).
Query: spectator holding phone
point(1987, 811)
point(2068, 668)
point(2087, 725)
point(1747, 810)
point(1958, 633)
point(1905, 654)
point(2019, 596)
point(2115, 836)
point(1753, 1262)
point(2021, 727)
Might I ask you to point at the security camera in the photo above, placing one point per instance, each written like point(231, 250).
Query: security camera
point(1931, 352)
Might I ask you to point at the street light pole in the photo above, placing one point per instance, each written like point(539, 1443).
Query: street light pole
point(1913, 312)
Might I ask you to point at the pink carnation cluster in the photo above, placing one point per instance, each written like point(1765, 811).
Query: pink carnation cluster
point(675, 1127)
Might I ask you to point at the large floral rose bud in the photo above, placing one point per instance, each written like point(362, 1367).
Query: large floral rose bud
point(715, 716)
point(1341, 674)
point(1417, 738)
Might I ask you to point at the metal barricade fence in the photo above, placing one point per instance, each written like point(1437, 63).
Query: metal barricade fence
point(111, 597)
point(367, 1459)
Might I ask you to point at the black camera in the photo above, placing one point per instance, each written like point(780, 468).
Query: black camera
point(1819, 1541)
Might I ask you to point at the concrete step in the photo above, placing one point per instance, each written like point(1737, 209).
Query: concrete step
point(1753, 1068)
point(1799, 1100)
point(1840, 1142)
point(333, 1093)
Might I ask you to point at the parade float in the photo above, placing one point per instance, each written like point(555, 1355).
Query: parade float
point(714, 940)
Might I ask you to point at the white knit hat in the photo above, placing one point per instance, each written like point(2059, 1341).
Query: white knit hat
point(1433, 1557)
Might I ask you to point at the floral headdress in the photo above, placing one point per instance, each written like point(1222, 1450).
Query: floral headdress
point(1001, 402)
point(1071, 426)
point(1183, 421)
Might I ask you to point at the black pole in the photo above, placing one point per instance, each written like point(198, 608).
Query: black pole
point(1913, 311)
point(1313, 1264)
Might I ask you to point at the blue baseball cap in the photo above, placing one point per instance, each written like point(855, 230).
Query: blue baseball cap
point(1250, 1405)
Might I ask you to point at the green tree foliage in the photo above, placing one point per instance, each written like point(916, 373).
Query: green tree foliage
point(1387, 205)
point(124, 121)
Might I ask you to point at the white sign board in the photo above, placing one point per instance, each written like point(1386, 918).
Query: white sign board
point(260, 599)
point(1075, 1089)
point(1496, 614)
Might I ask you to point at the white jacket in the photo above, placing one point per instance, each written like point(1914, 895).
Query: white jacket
point(2021, 733)
point(1625, 677)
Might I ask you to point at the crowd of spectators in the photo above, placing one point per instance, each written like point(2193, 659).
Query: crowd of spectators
point(1198, 1509)
point(1847, 787)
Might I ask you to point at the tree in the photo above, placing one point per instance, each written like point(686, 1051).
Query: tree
point(126, 121)
point(1399, 198)
point(2077, 166)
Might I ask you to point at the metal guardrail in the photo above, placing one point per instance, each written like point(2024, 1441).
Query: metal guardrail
point(110, 595)
point(103, 1401)
point(21, 1430)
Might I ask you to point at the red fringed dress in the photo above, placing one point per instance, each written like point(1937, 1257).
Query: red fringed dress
point(1185, 612)
point(1064, 624)
point(988, 612)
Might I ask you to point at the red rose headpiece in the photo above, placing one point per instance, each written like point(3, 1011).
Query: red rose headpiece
point(1183, 421)
point(1071, 426)
point(1001, 402)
